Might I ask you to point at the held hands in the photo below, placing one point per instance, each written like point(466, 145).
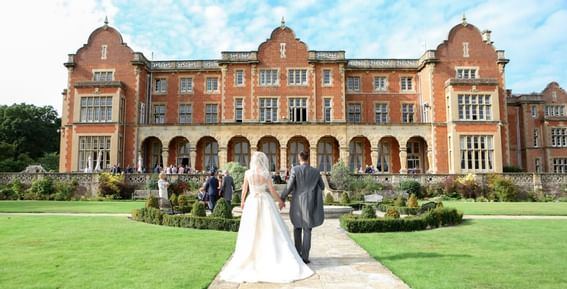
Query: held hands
point(281, 204)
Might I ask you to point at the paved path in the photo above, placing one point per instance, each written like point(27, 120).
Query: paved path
point(338, 262)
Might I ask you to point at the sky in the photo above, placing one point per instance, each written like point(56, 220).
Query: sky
point(38, 35)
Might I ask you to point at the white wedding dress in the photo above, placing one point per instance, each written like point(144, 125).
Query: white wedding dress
point(264, 251)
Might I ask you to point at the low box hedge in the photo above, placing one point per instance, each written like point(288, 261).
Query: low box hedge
point(157, 217)
point(401, 210)
point(433, 219)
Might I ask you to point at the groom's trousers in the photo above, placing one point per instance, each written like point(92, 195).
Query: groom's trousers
point(302, 246)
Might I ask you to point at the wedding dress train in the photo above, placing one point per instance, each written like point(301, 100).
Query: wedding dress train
point(264, 251)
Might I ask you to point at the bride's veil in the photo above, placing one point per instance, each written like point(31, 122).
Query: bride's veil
point(259, 171)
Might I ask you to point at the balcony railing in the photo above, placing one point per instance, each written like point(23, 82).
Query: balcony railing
point(382, 63)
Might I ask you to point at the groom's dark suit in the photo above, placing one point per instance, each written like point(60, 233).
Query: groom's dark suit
point(306, 209)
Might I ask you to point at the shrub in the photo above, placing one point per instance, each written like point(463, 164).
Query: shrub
point(155, 216)
point(368, 212)
point(504, 189)
point(340, 176)
point(236, 171)
point(392, 213)
point(18, 188)
point(344, 198)
point(7, 193)
point(198, 210)
point(236, 198)
point(65, 189)
point(467, 186)
point(412, 201)
point(400, 201)
point(173, 200)
point(411, 187)
point(329, 199)
point(222, 210)
point(450, 188)
point(177, 187)
point(109, 185)
point(401, 210)
point(42, 188)
point(152, 202)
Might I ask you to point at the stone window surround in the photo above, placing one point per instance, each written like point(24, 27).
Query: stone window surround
point(243, 107)
point(306, 107)
point(179, 112)
point(476, 69)
point(217, 91)
point(75, 148)
point(323, 84)
point(386, 83)
point(415, 112)
point(243, 77)
point(359, 76)
point(387, 103)
point(154, 85)
point(113, 70)
point(192, 91)
point(279, 114)
point(115, 106)
point(452, 98)
point(205, 103)
point(298, 69)
point(349, 103)
point(278, 77)
point(153, 112)
point(412, 77)
point(330, 98)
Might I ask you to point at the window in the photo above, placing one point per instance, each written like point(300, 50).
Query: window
point(466, 73)
point(211, 113)
point(297, 109)
point(269, 148)
point(356, 159)
point(414, 157)
point(240, 152)
point(103, 51)
point(406, 83)
point(380, 83)
point(381, 111)
point(327, 77)
point(211, 159)
point(325, 155)
point(383, 158)
point(534, 111)
point(474, 107)
point(212, 84)
point(538, 165)
point(102, 76)
point(536, 137)
point(238, 109)
point(185, 113)
point(239, 77)
point(94, 153)
point(186, 85)
point(354, 112)
point(159, 113)
point(96, 109)
point(554, 110)
point(183, 153)
point(297, 77)
point(477, 153)
point(327, 107)
point(294, 148)
point(408, 113)
point(560, 165)
point(268, 109)
point(269, 77)
point(353, 83)
point(559, 137)
point(160, 85)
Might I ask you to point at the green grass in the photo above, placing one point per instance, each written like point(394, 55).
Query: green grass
point(509, 208)
point(487, 254)
point(69, 207)
point(107, 252)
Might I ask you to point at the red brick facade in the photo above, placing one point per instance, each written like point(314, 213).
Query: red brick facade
point(442, 113)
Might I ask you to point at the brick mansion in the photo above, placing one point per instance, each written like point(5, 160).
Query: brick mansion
point(448, 111)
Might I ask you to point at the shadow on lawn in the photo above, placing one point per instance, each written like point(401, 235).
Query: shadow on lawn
point(415, 255)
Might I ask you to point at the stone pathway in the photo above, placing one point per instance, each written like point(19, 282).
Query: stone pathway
point(338, 263)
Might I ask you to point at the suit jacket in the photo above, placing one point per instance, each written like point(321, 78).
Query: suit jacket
point(306, 185)
point(212, 187)
point(227, 187)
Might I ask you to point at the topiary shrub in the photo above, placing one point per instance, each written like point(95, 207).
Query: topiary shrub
point(368, 212)
point(173, 200)
point(412, 201)
point(344, 198)
point(236, 199)
point(198, 210)
point(392, 213)
point(222, 210)
point(400, 201)
point(411, 187)
point(340, 176)
point(236, 171)
point(152, 202)
point(329, 199)
point(183, 204)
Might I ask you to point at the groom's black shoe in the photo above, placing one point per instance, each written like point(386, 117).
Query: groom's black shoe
point(306, 261)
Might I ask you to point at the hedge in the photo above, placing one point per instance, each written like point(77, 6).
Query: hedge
point(435, 218)
point(157, 217)
point(401, 210)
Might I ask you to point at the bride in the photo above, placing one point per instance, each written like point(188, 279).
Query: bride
point(264, 251)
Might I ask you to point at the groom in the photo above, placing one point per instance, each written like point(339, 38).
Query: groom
point(306, 210)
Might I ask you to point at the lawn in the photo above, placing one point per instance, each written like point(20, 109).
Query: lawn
point(487, 254)
point(69, 207)
point(509, 208)
point(107, 252)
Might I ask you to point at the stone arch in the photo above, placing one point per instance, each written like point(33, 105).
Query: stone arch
point(151, 152)
point(327, 152)
point(179, 151)
point(359, 149)
point(271, 147)
point(238, 150)
point(294, 145)
point(207, 154)
point(417, 161)
point(388, 155)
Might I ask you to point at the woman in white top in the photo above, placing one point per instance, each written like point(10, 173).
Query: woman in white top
point(162, 186)
point(264, 251)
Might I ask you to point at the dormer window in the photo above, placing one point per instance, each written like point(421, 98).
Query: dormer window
point(102, 76)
